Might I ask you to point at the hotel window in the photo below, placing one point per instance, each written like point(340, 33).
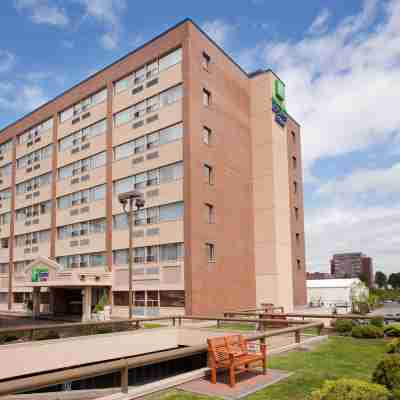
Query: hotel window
point(6, 170)
point(82, 197)
point(20, 266)
point(4, 243)
point(5, 194)
point(83, 135)
point(33, 211)
point(82, 166)
point(83, 105)
point(138, 110)
point(206, 61)
point(210, 215)
point(206, 98)
point(34, 183)
point(297, 238)
point(293, 137)
point(294, 162)
point(296, 212)
point(209, 174)
point(294, 186)
point(210, 250)
point(34, 134)
point(4, 268)
point(83, 260)
point(36, 156)
point(32, 238)
point(171, 252)
point(5, 147)
point(148, 71)
point(82, 229)
point(207, 135)
point(298, 264)
point(153, 177)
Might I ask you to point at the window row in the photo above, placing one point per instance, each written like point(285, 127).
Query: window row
point(28, 239)
point(151, 215)
point(83, 260)
point(42, 154)
point(5, 194)
point(6, 170)
point(5, 147)
point(141, 255)
point(151, 104)
point(4, 268)
point(149, 141)
point(148, 71)
point(35, 132)
point(82, 197)
point(81, 136)
point(83, 105)
point(82, 229)
point(81, 166)
point(33, 211)
point(153, 177)
point(34, 183)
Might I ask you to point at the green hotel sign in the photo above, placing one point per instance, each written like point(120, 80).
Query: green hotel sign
point(278, 102)
point(40, 274)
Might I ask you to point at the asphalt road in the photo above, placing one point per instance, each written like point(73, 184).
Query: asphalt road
point(390, 308)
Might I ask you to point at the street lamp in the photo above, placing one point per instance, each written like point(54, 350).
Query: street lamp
point(131, 197)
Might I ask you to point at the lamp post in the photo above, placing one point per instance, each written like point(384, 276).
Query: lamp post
point(131, 197)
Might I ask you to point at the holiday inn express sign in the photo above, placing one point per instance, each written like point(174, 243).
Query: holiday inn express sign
point(40, 274)
point(278, 103)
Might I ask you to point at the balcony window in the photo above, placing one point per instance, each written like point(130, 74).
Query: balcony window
point(206, 135)
point(210, 251)
point(210, 217)
point(206, 98)
point(206, 60)
point(209, 174)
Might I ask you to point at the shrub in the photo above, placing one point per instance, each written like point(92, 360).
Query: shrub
point(377, 321)
point(387, 372)
point(46, 335)
point(392, 330)
point(367, 332)
point(394, 346)
point(343, 325)
point(350, 389)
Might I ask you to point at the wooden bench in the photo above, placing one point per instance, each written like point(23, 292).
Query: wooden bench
point(231, 352)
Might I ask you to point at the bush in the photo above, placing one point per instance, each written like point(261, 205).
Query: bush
point(46, 335)
point(392, 330)
point(367, 332)
point(387, 372)
point(350, 389)
point(394, 346)
point(343, 325)
point(377, 321)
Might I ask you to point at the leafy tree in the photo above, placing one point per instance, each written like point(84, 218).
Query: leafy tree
point(380, 279)
point(394, 280)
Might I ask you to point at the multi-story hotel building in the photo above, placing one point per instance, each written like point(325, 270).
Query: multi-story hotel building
point(216, 156)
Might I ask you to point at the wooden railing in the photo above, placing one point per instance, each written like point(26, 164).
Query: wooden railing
point(124, 364)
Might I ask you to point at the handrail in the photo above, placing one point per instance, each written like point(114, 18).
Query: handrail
point(123, 365)
point(309, 315)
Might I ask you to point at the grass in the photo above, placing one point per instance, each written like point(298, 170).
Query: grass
point(339, 357)
point(235, 327)
point(151, 325)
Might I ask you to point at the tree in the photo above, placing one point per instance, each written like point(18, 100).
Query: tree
point(394, 280)
point(380, 279)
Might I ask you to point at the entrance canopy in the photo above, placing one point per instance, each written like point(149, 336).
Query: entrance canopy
point(44, 272)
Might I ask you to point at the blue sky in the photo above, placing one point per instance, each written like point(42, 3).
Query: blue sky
point(340, 61)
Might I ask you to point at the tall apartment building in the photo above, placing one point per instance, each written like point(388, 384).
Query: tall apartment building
point(218, 161)
point(352, 265)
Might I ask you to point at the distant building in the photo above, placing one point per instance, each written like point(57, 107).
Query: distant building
point(334, 292)
point(352, 265)
point(319, 275)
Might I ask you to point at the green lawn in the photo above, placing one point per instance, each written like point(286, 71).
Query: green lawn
point(235, 327)
point(339, 357)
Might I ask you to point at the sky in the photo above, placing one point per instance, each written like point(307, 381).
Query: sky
point(340, 61)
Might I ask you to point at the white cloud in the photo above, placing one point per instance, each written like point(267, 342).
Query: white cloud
point(319, 24)
point(108, 13)
point(379, 181)
point(342, 85)
point(7, 61)
point(43, 12)
point(371, 230)
point(219, 31)
point(20, 98)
